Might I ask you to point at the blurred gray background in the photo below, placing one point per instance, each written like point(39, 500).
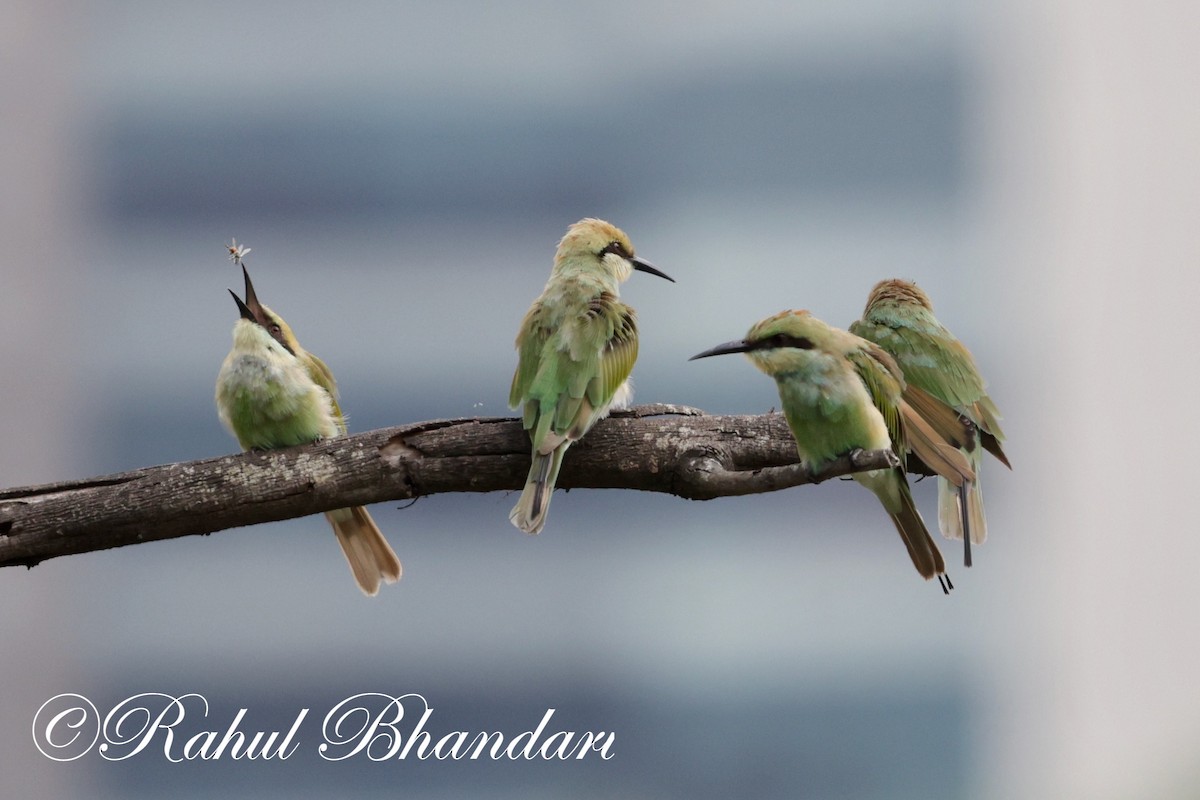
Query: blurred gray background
point(403, 172)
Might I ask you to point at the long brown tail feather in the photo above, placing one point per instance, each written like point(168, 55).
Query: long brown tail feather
point(529, 514)
point(946, 421)
point(932, 448)
point(964, 507)
point(368, 553)
point(921, 548)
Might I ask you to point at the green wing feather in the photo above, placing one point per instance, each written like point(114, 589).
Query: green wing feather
point(323, 377)
point(937, 362)
point(561, 387)
point(530, 343)
point(616, 361)
point(884, 383)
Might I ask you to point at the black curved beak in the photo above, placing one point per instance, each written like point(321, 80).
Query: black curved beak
point(250, 309)
point(737, 346)
point(642, 265)
point(251, 297)
point(242, 307)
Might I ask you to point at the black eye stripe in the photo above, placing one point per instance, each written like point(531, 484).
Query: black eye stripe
point(615, 247)
point(783, 340)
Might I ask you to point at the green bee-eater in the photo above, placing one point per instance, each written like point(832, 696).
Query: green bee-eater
point(841, 393)
point(272, 393)
point(576, 346)
point(899, 318)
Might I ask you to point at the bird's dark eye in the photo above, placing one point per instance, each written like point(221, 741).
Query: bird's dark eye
point(615, 247)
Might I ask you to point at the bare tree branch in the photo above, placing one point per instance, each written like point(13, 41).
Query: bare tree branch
point(663, 448)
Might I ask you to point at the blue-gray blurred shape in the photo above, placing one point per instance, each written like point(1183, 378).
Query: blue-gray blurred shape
point(782, 129)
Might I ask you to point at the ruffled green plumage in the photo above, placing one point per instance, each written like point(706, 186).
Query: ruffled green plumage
point(576, 348)
point(272, 393)
point(841, 393)
point(899, 318)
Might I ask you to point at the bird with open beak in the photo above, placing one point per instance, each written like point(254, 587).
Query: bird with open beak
point(273, 393)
